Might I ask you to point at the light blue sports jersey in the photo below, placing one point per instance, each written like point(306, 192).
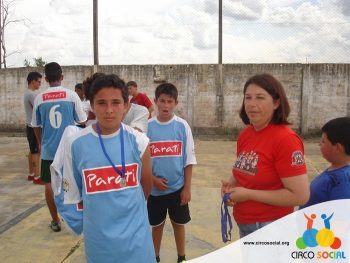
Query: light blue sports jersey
point(172, 149)
point(55, 109)
point(72, 214)
point(116, 227)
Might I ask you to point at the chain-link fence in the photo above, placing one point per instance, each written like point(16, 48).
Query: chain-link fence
point(186, 32)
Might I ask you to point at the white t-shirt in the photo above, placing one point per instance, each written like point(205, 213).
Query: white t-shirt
point(28, 100)
point(137, 117)
point(86, 106)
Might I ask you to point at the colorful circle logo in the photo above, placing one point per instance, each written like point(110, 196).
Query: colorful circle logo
point(323, 237)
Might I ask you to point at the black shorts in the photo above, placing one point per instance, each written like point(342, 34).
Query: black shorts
point(45, 174)
point(33, 144)
point(158, 206)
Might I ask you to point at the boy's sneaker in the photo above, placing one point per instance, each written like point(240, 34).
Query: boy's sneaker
point(157, 259)
point(30, 177)
point(181, 259)
point(37, 180)
point(56, 227)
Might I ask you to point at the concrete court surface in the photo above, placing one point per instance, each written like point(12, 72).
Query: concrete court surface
point(24, 218)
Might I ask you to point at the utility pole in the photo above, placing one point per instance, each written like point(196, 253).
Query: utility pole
point(220, 32)
point(95, 31)
point(219, 92)
point(1, 33)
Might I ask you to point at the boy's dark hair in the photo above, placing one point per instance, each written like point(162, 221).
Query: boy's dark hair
point(88, 82)
point(131, 83)
point(79, 86)
point(34, 75)
point(168, 89)
point(275, 89)
point(53, 72)
point(338, 131)
point(110, 81)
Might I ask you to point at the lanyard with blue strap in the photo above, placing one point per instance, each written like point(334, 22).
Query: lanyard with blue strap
point(121, 173)
point(225, 219)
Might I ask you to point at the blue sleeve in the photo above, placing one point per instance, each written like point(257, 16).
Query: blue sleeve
point(319, 191)
point(341, 189)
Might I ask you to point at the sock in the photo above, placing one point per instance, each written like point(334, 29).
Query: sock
point(181, 258)
point(157, 258)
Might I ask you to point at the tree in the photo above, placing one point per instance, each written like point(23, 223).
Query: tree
point(38, 62)
point(5, 20)
point(27, 63)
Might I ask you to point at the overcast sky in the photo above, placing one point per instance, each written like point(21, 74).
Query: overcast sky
point(180, 31)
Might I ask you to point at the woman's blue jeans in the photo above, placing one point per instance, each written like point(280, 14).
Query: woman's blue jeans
point(246, 229)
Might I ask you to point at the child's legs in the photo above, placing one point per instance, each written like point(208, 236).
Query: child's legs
point(179, 233)
point(30, 169)
point(157, 211)
point(50, 201)
point(157, 234)
point(34, 159)
point(179, 215)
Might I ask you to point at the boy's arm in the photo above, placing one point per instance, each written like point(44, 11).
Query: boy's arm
point(148, 103)
point(150, 110)
point(146, 173)
point(190, 161)
point(79, 110)
point(186, 191)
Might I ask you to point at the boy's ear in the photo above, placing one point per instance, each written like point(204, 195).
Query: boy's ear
point(339, 147)
point(61, 77)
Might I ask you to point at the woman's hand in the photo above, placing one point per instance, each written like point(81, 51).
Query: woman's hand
point(296, 191)
point(226, 187)
point(239, 194)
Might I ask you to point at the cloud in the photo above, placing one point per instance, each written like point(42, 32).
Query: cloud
point(244, 10)
point(303, 32)
point(68, 7)
point(200, 27)
point(211, 7)
point(344, 6)
point(182, 31)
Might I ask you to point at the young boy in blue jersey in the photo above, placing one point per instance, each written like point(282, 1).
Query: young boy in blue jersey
point(54, 109)
point(107, 166)
point(334, 182)
point(172, 154)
